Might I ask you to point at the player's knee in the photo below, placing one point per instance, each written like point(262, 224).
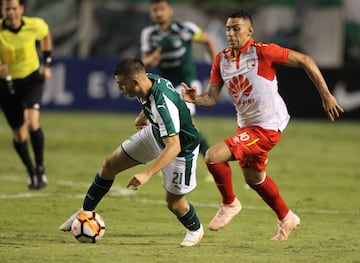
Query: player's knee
point(253, 177)
point(210, 156)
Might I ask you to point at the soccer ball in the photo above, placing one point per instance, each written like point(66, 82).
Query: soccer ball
point(88, 227)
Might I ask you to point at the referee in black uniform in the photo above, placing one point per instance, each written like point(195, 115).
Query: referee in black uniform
point(21, 81)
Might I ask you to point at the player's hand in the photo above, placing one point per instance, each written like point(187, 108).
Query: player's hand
point(46, 73)
point(141, 123)
point(152, 59)
point(189, 93)
point(156, 56)
point(137, 181)
point(332, 108)
point(4, 69)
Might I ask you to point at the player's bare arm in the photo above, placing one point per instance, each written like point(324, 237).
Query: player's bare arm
point(207, 99)
point(206, 39)
point(141, 121)
point(151, 59)
point(171, 150)
point(329, 103)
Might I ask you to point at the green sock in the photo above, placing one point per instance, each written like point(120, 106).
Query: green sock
point(190, 219)
point(96, 192)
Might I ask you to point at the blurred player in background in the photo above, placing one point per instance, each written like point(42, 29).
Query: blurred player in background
point(171, 140)
point(248, 70)
point(168, 45)
point(21, 80)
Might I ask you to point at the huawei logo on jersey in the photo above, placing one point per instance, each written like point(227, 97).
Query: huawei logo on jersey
point(240, 84)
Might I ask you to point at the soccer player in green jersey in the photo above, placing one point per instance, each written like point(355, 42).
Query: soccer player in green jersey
point(21, 79)
point(168, 45)
point(166, 135)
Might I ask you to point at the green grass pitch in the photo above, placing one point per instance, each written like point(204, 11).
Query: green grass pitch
point(316, 166)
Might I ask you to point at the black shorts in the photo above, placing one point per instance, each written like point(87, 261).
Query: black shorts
point(28, 94)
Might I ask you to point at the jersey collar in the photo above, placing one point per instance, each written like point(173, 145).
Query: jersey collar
point(4, 26)
point(247, 45)
point(233, 55)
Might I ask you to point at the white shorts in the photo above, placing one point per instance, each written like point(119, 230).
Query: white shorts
point(179, 177)
point(195, 84)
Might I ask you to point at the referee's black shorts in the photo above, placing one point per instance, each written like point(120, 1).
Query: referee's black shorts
point(28, 94)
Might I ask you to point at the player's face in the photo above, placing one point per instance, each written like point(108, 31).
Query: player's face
point(238, 32)
point(161, 13)
point(126, 85)
point(12, 12)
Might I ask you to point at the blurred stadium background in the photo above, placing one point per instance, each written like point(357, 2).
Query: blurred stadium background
point(91, 35)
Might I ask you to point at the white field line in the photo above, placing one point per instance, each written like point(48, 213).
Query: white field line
point(252, 207)
point(118, 191)
point(23, 195)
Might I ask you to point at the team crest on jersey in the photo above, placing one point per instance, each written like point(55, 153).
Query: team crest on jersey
point(176, 43)
point(251, 63)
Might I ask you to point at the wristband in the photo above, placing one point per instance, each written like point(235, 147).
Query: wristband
point(46, 58)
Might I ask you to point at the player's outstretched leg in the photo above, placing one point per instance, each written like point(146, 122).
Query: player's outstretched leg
point(287, 220)
point(193, 238)
point(66, 226)
point(186, 214)
point(194, 230)
point(286, 225)
point(230, 205)
point(95, 193)
point(224, 215)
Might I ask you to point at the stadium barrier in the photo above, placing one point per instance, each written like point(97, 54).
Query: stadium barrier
point(89, 85)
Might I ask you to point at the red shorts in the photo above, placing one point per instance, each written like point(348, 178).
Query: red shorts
point(251, 145)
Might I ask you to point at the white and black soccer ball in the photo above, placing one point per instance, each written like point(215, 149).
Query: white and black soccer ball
point(88, 227)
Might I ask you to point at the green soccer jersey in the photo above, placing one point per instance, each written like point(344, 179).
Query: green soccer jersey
point(176, 64)
point(169, 115)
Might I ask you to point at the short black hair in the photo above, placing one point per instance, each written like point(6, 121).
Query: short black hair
point(129, 66)
point(241, 13)
point(158, 1)
point(21, 2)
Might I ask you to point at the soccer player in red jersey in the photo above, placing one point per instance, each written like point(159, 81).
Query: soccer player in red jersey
point(248, 70)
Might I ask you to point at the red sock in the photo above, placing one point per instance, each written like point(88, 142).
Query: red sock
point(223, 179)
point(269, 192)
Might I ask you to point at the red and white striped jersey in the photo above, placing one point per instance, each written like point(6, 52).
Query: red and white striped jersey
point(250, 79)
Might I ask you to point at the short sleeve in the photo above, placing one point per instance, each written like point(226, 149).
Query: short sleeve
point(215, 74)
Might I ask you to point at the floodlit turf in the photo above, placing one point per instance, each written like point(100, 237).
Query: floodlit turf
point(316, 166)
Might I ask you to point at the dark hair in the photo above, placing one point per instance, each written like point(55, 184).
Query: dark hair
point(241, 13)
point(129, 67)
point(21, 2)
point(158, 1)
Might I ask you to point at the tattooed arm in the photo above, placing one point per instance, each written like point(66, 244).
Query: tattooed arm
point(207, 99)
